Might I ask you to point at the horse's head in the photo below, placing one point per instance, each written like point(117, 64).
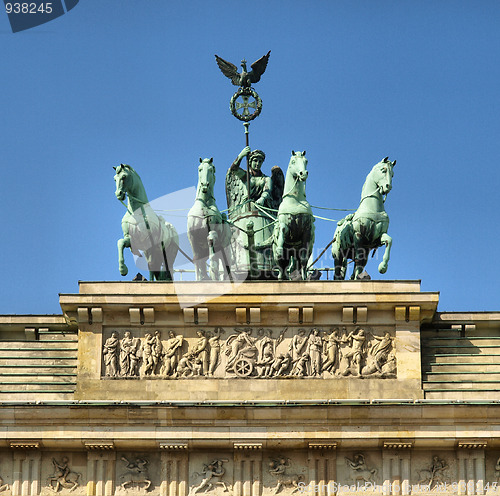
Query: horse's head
point(382, 174)
point(206, 177)
point(123, 180)
point(298, 166)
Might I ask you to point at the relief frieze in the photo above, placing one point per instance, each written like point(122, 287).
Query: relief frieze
point(263, 353)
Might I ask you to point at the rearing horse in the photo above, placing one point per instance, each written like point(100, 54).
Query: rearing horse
point(143, 230)
point(293, 235)
point(366, 229)
point(208, 231)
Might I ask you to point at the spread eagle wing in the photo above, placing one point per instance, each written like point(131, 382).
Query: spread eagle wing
point(236, 192)
point(230, 70)
point(258, 68)
point(277, 186)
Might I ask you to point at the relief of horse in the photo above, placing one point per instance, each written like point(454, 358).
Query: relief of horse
point(144, 232)
point(208, 231)
point(293, 235)
point(366, 229)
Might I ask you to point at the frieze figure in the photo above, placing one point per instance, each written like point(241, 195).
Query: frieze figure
point(378, 356)
point(314, 350)
point(200, 351)
point(212, 475)
point(172, 351)
point(152, 351)
point(266, 347)
point(265, 363)
point(63, 477)
point(357, 352)
point(332, 342)
point(360, 471)
point(215, 345)
point(277, 468)
point(156, 352)
point(136, 474)
point(3, 486)
point(281, 365)
point(301, 366)
point(434, 474)
point(129, 357)
point(189, 366)
point(389, 367)
point(110, 351)
point(297, 344)
point(147, 353)
point(237, 345)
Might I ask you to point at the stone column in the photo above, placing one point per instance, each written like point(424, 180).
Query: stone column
point(174, 469)
point(480, 471)
point(471, 469)
point(101, 469)
point(322, 462)
point(396, 468)
point(462, 484)
point(247, 469)
point(26, 469)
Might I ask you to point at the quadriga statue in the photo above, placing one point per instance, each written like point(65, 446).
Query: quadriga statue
point(293, 236)
point(208, 231)
point(366, 229)
point(144, 232)
point(259, 209)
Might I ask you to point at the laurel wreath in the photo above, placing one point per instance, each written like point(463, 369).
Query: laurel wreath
point(245, 92)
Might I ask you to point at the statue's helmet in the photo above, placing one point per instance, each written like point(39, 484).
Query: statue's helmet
point(257, 153)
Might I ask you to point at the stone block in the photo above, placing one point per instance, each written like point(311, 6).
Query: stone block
point(293, 315)
point(202, 315)
point(149, 315)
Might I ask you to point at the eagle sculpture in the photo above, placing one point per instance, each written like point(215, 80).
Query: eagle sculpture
point(243, 79)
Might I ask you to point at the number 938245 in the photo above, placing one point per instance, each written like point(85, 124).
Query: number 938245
point(28, 8)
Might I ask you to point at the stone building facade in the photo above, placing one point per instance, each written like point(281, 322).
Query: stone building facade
point(260, 388)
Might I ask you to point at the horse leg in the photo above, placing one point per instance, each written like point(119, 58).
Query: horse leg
point(122, 244)
point(169, 255)
point(283, 264)
point(360, 256)
point(303, 259)
point(148, 255)
point(387, 241)
point(279, 251)
point(340, 268)
point(213, 258)
point(200, 266)
point(309, 243)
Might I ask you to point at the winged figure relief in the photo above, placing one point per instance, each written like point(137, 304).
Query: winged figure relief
point(244, 78)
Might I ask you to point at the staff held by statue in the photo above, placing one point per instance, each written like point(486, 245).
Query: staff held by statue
point(246, 97)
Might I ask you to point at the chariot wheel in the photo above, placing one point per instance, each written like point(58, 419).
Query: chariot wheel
point(243, 367)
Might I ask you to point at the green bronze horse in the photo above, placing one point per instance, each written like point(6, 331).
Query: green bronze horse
point(208, 230)
point(293, 235)
point(366, 229)
point(144, 232)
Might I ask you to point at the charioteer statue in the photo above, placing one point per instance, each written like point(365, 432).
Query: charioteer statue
point(253, 197)
point(260, 209)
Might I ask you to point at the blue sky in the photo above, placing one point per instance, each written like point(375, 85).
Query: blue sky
point(351, 82)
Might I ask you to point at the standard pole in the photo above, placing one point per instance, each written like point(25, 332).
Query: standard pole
point(247, 140)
